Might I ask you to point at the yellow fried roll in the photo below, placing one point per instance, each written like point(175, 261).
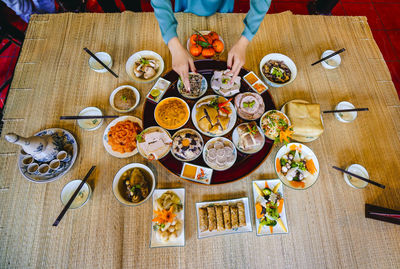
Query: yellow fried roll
point(203, 219)
point(234, 217)
point(227, 216)
point(242, 214)
point(220, 218)
point(212, 221)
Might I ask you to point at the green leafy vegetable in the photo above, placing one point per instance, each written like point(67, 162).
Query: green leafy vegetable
point(249, 104)
point(277, 72)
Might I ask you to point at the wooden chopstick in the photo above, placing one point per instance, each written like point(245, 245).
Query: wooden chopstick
point(66, 207)
point(346, 110)
point(329, 56)
point(100, 62)
point(87, 117)
point(360, 177)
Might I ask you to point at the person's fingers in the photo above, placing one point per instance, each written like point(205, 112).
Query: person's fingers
point(235, 70)
point(185, 78)
point(191, 65)
point(230, 59)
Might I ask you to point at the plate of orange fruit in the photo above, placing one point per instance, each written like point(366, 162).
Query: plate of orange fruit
point(205, 44)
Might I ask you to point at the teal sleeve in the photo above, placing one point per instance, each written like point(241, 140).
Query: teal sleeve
point(258, 9)
point(165, 17)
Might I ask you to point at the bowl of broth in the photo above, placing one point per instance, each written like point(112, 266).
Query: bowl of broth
point(125, 98)
point(133, 184)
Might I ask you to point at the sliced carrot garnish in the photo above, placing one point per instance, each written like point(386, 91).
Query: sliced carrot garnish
point(278, 165)
point(280, 206)
point(311, 166)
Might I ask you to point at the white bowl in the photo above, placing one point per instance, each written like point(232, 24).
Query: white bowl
point(265, 114)
point(205, 152)
point(117, 177)
point(235, 140)
point(278, 57)
point(96, 66)
point(335, 58)
point(135, 91)
point(150, 129)
point(164, 100)
point(90, 111)
point(306, 152)
point(358, 170)
point(204, 87)
point(189, 131)
point(136, 56)
point(232, 120)
point(69, 190)
point(345, 105)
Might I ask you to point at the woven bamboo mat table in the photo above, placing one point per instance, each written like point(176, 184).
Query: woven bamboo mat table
point(327, 227)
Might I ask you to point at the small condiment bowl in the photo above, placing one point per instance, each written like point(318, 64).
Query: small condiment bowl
point(33, 168)
point(352, 181)
point(117, 178)
point(69, 190)
point(96, 66)
point(63, 156)
point(136, 56)
point(90, 111)
point(27, 160)
point(341, 116)
point(332, 62)
point(44, 169)
point(278, 57)
point(135, 92)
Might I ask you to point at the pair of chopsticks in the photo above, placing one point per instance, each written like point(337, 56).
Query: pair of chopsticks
point(360, 177)
point(86, 117)
point(100, 62)
point(346, 110)
point(329, 56)
point(73, 197)
point(381, 213)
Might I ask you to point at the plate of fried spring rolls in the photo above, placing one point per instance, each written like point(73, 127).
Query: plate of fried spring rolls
point(223, 217)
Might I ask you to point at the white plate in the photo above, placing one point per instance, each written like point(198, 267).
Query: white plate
point(278, 57)
point(136, 56)
point(244, 229)
point(217, 91)
point(187, 130)
point(204, 33)
point(205, 152)
point(232, 120)
point(151, 129)
point(105, 137)
point(262, 119)
point(67, 143)
point(277, 229)
point(306, 151)
point(235, 140)
point(180, 240)
point(204, 87)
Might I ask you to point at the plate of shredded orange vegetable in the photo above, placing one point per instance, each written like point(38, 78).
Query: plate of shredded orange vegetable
point(270, 213)
point(119, 138)
point(296, 166)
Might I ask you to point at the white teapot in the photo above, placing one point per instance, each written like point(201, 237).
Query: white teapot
point(41, 148)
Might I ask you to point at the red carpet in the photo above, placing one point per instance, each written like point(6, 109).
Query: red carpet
point(381, 14)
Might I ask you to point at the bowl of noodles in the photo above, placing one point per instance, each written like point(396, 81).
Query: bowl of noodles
point(119, 138)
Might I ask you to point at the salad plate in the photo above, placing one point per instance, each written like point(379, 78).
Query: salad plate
point(168, 223)
point(269, 207)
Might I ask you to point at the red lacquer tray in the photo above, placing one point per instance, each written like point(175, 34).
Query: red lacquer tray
point(245, 163)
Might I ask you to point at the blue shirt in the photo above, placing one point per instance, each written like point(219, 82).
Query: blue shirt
point(166, 19)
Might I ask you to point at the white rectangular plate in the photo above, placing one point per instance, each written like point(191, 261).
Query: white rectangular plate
point(180, 240)
point(157, 85)
point(205, 178)
point(244, 229)
point(277, 228)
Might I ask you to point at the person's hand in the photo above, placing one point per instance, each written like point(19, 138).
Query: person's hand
point(237, 56)
point(181, 61)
